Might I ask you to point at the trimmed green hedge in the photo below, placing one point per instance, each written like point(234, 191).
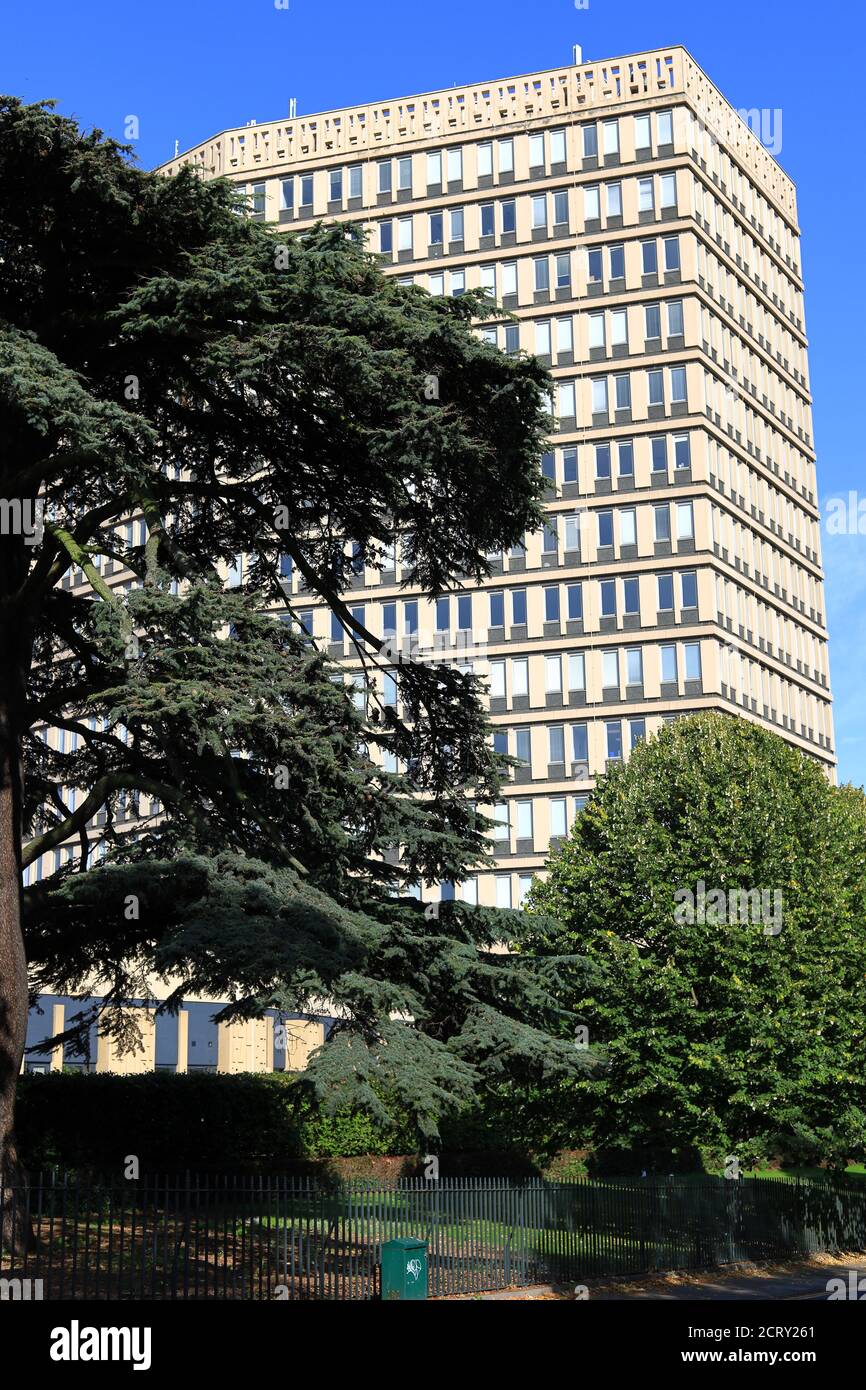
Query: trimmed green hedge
point(171, 1122)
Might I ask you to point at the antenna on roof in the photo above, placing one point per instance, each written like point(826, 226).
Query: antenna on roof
point(293, 106)
point(577, 54)
point(176, 148)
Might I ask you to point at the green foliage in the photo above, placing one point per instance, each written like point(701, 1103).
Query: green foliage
point(195, 1121)
point(161, 355)
point(718, 1034)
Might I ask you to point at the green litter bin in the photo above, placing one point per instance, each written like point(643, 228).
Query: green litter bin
point(404, 1268)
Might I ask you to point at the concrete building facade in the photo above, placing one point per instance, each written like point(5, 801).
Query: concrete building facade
point(647, 245)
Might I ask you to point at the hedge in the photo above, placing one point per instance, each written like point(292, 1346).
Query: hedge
point(209, 1121)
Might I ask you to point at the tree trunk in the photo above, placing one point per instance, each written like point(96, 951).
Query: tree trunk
point(15, 656)
point(13, 982)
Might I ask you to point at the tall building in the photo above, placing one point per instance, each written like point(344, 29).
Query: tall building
point(647, 245)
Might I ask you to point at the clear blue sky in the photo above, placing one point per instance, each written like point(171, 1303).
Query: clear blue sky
point(190, 68)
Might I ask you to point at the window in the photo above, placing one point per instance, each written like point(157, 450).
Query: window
point(335, 186)
point(509, 215)
point(659, 454)
point(509, 278)
point(563, 270)
point(678, 384)
point(518, 607)
point(596, 331)
point(662, 523)
point(668, 190)
point(307, 191)
point(590, 141)
point(672, 253)
point(614, 200)
point(652, 321)
point(682, 451)
point(574, 597)
point(655, 388)
point(685, 521)
point(523, 747)
point(642, 132)
point(549, 536)
point(637, 732)
point(602, 460)
point(564, 335)
point(488, 284)
point(558, 817)
point(455, 164)
point(668, 665)
point(610, 131)
point(599, 395)
point(384, 180)
point(569, 465)
point(356, 181)
point(617, 262)
point(437, 282)
point(287, 194)
point(689, 589)
point(631, 596)
point(613, 738)
point(593, 267)
point(404, 173)
point(572, 534)
point(506, 156)
point(566, 405)
point(536, 151)
point(634, 666)
point(404, 234)
point(389, 619)
point(497, 608)
point(410, 617)
point(665, 586)
point(552, 675)
point(520, 678)
point(436, 228)
point(649, 258)
point(665, 127)
point(622, 392)
point(645, 199)
point(692, 658)
point(524, 883)
point(456, 224)
point(591, 204)
point(386, 238)
point(675, 317)
point(579, 743)
point(557, 147)
point(497, 680)
point(560, 209)
point(539, 212)
point(608, 598)
point(556, 744)
point(434, 168)
point(464, 612)
point(551, 605)
point(605, 528)
point(487, 221)
point(500, 820)
point(503, 890)
point(485, 160)
point(619, 328)
point(542, 273)
point(625, 453)
point(628, 527)
point(576, 671)
point(512, 337)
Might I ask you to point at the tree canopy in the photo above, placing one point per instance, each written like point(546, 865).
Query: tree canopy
point(163, 356)
point(730, 1024)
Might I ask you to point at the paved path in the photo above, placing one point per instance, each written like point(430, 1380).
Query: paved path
point(776, 1283)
